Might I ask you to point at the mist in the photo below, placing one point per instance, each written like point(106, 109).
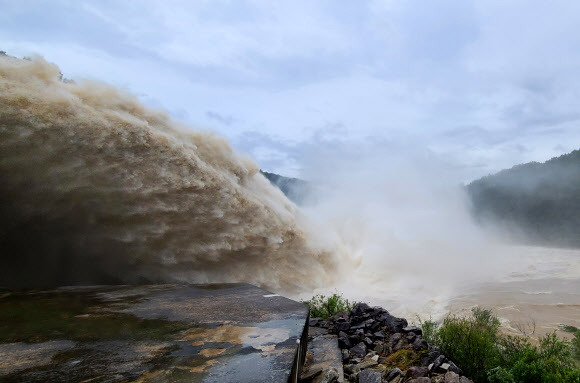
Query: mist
point(405, 216)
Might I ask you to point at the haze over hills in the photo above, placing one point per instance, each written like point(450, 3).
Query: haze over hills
point(537, 203)
point(295, 189)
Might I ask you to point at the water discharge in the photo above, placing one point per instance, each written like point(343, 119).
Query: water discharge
point(97, 188)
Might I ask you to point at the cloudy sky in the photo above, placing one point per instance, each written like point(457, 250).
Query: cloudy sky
point(482, 84)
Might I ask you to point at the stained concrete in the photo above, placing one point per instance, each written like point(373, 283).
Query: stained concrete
point(323, 355)
point(161, 333)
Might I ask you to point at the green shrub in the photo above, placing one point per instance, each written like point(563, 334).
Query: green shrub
point(575, 342)
point(402, 359)
point(477, 346)
point(429, 328)
point(471, 342)
point(499, 375)
point(324, 307)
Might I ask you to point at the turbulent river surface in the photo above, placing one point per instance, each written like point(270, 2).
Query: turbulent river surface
point(539, 293)
point(534, 290)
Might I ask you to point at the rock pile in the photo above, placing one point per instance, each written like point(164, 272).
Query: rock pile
point(378, 347)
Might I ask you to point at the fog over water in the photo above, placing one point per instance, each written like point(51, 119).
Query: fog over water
point(404, 215)
point(97, 188)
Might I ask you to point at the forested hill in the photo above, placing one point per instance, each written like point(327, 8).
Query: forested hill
point(294, 188)
point(539, 200)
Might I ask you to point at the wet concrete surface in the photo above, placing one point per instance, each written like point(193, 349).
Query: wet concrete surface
point(161, 333)
point(324, 354)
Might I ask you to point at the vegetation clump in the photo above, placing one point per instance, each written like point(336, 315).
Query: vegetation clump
point(402, 359)
point(323, 307)
point(476, 344)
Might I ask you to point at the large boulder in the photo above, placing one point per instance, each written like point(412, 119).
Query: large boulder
point(358, 351)
point(369, 376)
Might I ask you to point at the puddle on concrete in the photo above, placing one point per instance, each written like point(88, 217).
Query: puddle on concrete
point(259, 338)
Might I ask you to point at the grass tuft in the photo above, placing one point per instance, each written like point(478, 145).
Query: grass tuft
point(326, 306)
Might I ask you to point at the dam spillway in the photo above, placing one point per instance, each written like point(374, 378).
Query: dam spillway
point(177, 333)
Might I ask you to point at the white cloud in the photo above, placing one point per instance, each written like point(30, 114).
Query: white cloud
point(485, 83)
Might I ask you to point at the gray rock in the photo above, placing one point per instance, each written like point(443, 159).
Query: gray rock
point(370, 354)
point(417, 372)
point(314, 321)
point(351, 369)
point(345, 356)
point(438, 362)
point(395, 338)
point(367, 363)
point(420, 380)
point(454, 368)
point(414, 329)
point(341, 326)
point(420, 344)
point(397, 324)
point(380, 348)
point(359, 309)
point(354, 339)
point(429, 359)
point(369, 376)
point(385, 318)
point(343, 340)
point(392, 374)
point(358, 351)
point(463, 379)
point(341, 317)
point(369, 322)
point(329, 376)
point(379, 335)
point(400, 345)
point(451, 377)
point(378, 310)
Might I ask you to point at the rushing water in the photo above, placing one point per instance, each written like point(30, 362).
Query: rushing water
point(97, 188)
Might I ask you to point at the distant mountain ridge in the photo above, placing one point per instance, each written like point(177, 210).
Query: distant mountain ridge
point(294, 188)
point(539, 200)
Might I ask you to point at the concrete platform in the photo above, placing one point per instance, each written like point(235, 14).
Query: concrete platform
point(161, 333)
